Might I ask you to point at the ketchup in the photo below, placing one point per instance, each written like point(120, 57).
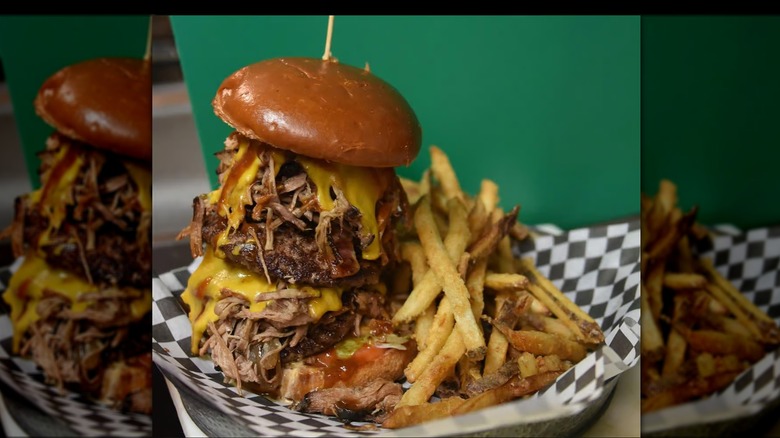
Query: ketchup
point(340, 370)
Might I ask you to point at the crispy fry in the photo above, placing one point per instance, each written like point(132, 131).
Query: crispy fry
point(451, 344)
point(661, 207)
point(463, 265)
point(680, 225)
point(412, 189)
point(722, 343)
point(442, 170)
point(729, 325)
point(714, 332)
point(527, 364)
point(468, 371)
point(538, 342)
point(488, 194)
point(534, 321)
point(413, 253)
point(505, 282)
point(705, 364)
point(423, 326)
point(425, 183)
point(683, 281)
point(429, 287)
point(519, 231)
point(489, 239)
point(654, 286)
point(441, 366)
point(688, 391)
point(675, 354)
point(685, 263)
point(585, 327)
point(720, 296)
point(506, 261)
point(453, 285)
point(769, 331)
point(478, 219)
point(585, 331)
point(652, 341)
point(676, 343)
point(475, 283)
point(435, 339)
point(494, 379)
point(516, 387)
point(497, 344)
point(404, 416)
point(441, 222)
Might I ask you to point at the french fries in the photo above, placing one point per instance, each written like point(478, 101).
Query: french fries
point(482, 318)
point(698, 331)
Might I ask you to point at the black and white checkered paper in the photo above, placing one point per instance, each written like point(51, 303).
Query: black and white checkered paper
point(598, 268)
point(20, 377)
point(751, 262)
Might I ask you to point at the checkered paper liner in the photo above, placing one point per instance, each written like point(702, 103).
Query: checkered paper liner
point(598, 268)
point(751, 262)
point(21, 377)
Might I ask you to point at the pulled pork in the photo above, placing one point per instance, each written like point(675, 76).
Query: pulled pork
point(284, 233)
point(102, 234)
point(372, 402)
point(252, 347)
point(105, 234)
point(76, 350)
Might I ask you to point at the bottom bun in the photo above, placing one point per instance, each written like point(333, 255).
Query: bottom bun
point(326, 370)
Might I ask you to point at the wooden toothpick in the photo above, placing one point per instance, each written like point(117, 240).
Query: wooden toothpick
point(148, 54)
point(326, 56)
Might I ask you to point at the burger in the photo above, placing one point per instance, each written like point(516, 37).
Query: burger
point(80, 298)
point(290, 297)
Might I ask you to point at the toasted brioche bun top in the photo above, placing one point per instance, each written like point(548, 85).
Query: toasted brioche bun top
point(321, 109)
point(105, 102)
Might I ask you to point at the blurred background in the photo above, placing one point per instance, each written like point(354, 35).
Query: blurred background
point(55, 42)
point(711, 115)
point(32, 48)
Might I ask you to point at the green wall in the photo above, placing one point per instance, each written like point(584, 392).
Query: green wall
point(548, 107)
point(711, 114)
point(33, 48)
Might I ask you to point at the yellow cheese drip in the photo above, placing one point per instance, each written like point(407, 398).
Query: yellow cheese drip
point(233, 197)
point(57, 192)
point(35, 275)
point(361, 186)
point(205, 285)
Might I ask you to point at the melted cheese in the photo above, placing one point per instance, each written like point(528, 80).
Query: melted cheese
point(205, 285)
point(363, 187)
point(57, 192)
point(143, 182)
point(35, 276)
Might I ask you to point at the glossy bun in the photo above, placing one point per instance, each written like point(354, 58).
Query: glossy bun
point(321, 109)
point(105, 102)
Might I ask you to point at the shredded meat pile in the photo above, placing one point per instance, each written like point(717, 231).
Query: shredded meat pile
point(105, 235)
point(371, 402)
point(76, 349)
point(252, 347)
point(305, 245)
point(286, 236)
point(104, 238)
